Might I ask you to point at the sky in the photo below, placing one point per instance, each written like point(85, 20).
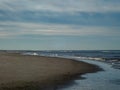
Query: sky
point(60, 24)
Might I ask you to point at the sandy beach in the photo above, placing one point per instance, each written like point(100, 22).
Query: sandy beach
point(24, 72)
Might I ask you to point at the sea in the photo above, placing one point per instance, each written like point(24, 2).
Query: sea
point(111, 57)
point(108, 60)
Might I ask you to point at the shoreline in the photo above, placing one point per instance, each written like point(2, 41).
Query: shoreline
point(25, 72)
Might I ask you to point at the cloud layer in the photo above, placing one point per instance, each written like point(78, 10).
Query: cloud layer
point(61, 5)
point(11, 29)
point(59, 24)
point(59, 17)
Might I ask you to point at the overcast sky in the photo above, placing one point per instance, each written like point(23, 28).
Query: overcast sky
point(60, 24)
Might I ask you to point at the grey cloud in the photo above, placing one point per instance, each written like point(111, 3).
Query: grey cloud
point(71, 6)
point(18, 29)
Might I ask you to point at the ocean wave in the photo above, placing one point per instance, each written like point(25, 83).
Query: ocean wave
point(30, 53)
point(110, 58)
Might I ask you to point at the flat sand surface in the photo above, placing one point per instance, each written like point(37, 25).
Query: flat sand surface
point(21, 70)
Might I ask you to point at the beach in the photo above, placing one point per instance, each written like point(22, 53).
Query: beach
point(25, 72)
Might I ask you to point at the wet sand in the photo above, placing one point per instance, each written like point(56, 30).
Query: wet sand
point(23, 72)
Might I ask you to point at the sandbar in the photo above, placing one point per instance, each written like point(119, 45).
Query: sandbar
point(25, 72)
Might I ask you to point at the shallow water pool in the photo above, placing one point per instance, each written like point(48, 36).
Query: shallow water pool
point(109, 79)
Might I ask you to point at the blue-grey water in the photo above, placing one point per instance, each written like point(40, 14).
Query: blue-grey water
point(108, 60)
point(111, 57)
point(109, 79)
